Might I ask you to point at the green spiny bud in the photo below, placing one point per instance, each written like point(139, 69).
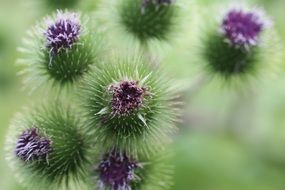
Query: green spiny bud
point(147, 20)
point(60, 49)
point(129, 105)
point(48, 148)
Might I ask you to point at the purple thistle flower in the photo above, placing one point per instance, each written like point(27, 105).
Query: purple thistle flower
point(241, 28)
point(117, 171)
point(32, 146)
point(63, 32)
point(127, 96)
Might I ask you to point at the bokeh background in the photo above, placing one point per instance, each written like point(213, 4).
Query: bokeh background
point(227, 141)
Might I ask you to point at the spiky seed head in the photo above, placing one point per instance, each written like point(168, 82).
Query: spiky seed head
point(242, 28)
point(116, 171)
point(126, 96)
point(147, 19)
point(31, 145)
point(63, 32)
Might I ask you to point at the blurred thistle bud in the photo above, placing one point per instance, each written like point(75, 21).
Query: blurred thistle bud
point(116, 171)
point(61, 49)
point(48, 148)
point(119, 171)
point(130, 106)
point(238, 47)
point(148, 19)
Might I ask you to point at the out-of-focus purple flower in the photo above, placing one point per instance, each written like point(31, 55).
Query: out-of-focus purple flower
point(242, 28)
point(126, 97)
point(32, 146)
point(63, 32)
point(116, 171)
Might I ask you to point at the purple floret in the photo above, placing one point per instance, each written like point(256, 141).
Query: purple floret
point(116, 171)
point(63, 32)
point(126, 97)
point(241, 28)
point(32, 146)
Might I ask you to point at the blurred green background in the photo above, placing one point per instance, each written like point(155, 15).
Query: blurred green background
point(226, 141)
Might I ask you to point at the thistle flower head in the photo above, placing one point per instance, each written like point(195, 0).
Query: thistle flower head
point(60, 50)
point(116, 171)
point(242, 28)
point(126, 96)
point(63, 32)
point(128, 104)
point(32, 146)
point(53, 153)
point(240, 46)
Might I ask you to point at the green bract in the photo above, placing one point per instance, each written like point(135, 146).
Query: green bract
point(65, 166)
point(146, 125)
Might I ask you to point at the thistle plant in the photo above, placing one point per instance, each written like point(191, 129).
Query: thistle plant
point(113, 133)
point(124, 122)
point(59, 50)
